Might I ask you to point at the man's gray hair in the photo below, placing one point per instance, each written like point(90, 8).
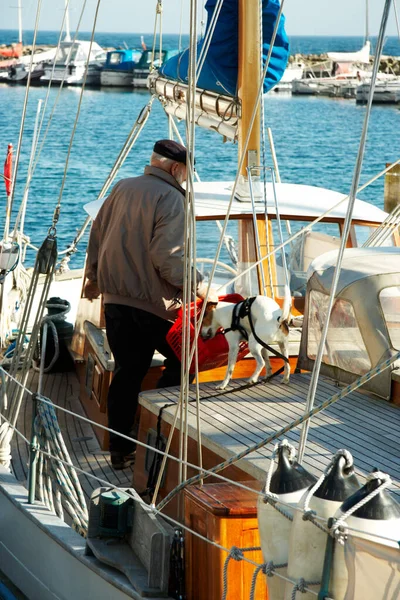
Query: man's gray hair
point(161, 160)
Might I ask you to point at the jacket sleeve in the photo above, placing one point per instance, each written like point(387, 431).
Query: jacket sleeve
point(166, 247)
point(93, 248)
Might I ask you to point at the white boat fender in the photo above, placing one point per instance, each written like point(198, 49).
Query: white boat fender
point(283, 489)
point(320, 502)
point(371, 513)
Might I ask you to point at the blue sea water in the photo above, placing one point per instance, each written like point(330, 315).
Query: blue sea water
point(316, 140)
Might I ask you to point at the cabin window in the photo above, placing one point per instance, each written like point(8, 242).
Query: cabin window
point(363, 233)
point(390, 302)
point(66, 54)
point(344, 347)
point(208, 236)
point(323, 237)
point(115, 58)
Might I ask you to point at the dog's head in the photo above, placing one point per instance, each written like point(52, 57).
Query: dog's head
point(209, 327)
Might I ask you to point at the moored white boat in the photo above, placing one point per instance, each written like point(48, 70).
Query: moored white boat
point(385, 92)
point(69, 65)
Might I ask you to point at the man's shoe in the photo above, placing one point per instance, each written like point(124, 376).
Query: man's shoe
point(121, 461)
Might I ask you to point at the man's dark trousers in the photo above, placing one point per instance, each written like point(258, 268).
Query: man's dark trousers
point(134, 335)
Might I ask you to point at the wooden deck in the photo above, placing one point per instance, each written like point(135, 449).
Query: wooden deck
point(81, 442)
point(366, 426)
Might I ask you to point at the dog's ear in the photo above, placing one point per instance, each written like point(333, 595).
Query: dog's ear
point(211, 306)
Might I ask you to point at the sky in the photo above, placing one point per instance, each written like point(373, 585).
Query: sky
point(303, 17)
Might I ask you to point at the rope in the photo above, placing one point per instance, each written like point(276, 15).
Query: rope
point(24, 108)
point(67, 486)
point(301, 586)
point(155, 450)
point(56, 215)
point(292, 454)
point(122, 156)
point(344, 392)
point(345, 234)
point(22, 358)
point(262, 568)
point(50, 119)
point(308, 227)
point(309, 514)
point(51, 320)
point(237, 554)
point(339, 525)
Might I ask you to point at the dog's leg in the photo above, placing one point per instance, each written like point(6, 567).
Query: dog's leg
point(233, 341)
point(284, 350)
point(267, 363)
point(256, 350)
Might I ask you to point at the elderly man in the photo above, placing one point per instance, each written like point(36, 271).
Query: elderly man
point(135, 259)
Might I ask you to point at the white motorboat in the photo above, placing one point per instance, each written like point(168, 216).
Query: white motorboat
point(385, 92)
point(70, 64)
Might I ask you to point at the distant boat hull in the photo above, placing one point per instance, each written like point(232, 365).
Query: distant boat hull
point(114, 78)
point(384, 93)
point(72, 75)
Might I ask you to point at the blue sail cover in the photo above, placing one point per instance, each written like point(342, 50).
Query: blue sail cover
point(220, 70)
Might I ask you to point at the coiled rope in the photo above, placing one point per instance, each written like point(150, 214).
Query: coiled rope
point(49, 321)
point(64, 484)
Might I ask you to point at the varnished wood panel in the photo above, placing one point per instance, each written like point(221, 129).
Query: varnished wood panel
point(235, 524)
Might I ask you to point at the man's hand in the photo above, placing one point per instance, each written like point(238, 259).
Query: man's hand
point(202, 291)
point(91, 291)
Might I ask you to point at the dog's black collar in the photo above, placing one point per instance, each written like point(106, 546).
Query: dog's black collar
point(240, 311)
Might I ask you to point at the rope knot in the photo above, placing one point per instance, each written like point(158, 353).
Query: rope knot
point(339, 532)
point(300, 586)
point(308, 515)
point(269, 569)
point(270, 498)
point(236, 553)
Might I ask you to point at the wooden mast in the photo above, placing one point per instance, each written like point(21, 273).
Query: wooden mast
point(249, 79)
point(249, 76)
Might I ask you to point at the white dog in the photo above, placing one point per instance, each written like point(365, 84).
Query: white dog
point(271, 325)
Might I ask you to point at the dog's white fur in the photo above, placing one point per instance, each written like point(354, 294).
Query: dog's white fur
point(270, 324)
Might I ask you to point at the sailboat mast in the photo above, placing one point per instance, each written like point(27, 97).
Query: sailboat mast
point(366, 21)
point(19, 22)
point(67, 29)
point(249, 79)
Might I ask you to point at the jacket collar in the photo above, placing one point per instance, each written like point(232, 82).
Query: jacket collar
point(165, 176)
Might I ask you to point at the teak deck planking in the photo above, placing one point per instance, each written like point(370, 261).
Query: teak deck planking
point(365, 425)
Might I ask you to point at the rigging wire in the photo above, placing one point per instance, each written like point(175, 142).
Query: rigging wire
point(345, 232)
point(24, 108)
point(241, 162)
point(310, 225)
point(263, 159)
point(281, 432)
point(138, 500)
point(158, 17)
point(208, 37)
point(50, 119)
point(58, 206)
point(204, 472)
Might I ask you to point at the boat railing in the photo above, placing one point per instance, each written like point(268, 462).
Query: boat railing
point(203, 473)
point(69, 492)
